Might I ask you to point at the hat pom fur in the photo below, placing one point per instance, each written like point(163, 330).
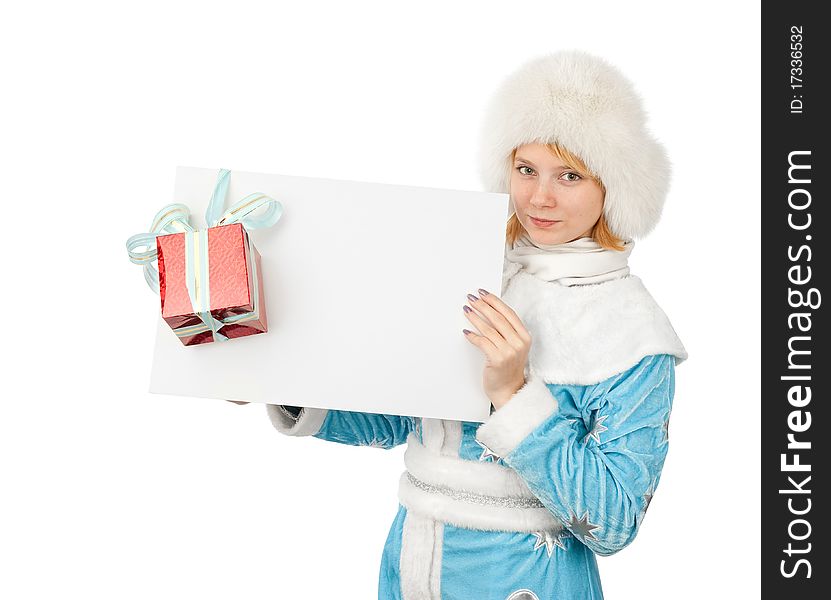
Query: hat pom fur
point(588, 107)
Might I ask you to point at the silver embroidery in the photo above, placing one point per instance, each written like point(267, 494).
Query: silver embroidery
point(522, 595)
point(507, 501)
point(487, 453)
point(549, 539)
point(373, 443)
point(582, 527)
point(597, 429)
point(647, 498)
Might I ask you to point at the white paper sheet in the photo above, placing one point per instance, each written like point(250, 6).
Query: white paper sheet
point(364, 288)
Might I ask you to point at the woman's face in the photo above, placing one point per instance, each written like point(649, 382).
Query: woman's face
point(543, 188)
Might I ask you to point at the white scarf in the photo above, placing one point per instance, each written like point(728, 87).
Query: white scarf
point(578, 262)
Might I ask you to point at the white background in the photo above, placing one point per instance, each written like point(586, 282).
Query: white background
point(109, 492)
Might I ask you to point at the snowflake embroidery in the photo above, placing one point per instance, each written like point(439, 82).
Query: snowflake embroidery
point(373, 443)
point(549, 539)
point(647, 497)
point(487, 453)
point(582, 527)
point(647, 500)
point(597, 429)
point(522, 595)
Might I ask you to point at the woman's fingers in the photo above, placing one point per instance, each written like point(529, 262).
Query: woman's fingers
point(485, 329)
point(483, 343)
point(502, 319)
point(507, 312)
point(505, 342)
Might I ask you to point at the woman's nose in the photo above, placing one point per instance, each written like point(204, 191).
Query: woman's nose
point(543, 196)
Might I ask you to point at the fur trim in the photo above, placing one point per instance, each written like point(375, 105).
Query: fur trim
point(487, 478)
point(422, 541)
point(469, 515)
point(587, 106)
point(527, 409)
point(590, 332)
point(309, 421)
point(442, 436)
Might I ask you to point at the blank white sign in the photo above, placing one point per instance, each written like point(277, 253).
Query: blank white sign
point(364, 288)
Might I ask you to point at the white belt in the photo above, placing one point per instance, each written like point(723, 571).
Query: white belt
point(470, 494)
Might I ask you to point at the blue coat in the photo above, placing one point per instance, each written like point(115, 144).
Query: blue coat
point(594, 463)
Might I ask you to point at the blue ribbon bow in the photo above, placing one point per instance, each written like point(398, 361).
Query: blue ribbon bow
point(174, 218)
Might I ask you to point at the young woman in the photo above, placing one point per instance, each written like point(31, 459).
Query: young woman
point(579, 361)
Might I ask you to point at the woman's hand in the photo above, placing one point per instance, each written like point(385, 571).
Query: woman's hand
point(504, 341)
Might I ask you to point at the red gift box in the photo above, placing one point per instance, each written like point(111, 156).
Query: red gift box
point(234, 287)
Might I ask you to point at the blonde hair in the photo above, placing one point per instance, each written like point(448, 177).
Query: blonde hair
point(600, 233)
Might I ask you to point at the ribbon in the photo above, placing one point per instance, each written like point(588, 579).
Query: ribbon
point(174, 218)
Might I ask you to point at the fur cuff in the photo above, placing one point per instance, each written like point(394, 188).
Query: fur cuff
point(532, 404)
point(308, 422)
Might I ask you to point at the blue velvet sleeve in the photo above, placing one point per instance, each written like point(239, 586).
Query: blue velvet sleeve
point(592, 454)
point(365, 429)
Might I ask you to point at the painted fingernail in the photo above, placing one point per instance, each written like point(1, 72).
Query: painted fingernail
point(465, 331)
point(483, 292)
point(467, 308)
point(472, 298)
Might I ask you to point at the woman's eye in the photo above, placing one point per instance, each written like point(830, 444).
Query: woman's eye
point(572, 176)
point(524, 167)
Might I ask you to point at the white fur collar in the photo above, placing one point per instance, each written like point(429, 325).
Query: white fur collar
point(584, 334)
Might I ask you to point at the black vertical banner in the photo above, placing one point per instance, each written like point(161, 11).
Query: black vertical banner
point(796, 433)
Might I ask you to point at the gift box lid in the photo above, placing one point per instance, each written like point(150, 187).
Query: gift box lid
point(230, 278)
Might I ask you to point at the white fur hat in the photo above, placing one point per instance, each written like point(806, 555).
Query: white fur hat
point(588, 107)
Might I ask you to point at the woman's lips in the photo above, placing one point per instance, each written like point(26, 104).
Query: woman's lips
point(539, 223)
